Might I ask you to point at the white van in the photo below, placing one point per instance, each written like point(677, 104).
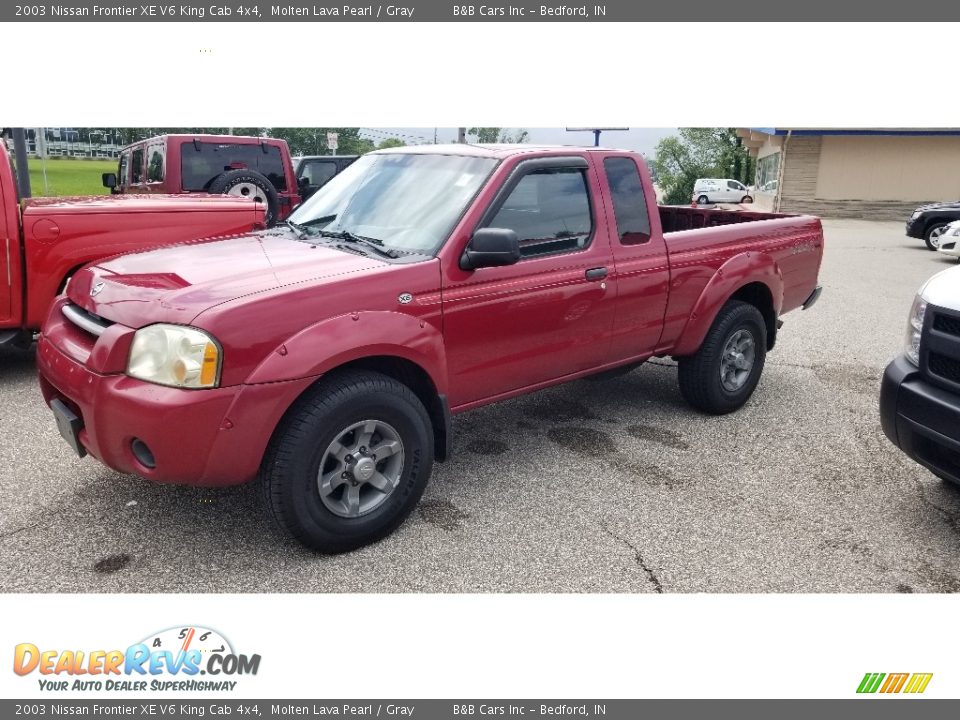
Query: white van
point(720, 190)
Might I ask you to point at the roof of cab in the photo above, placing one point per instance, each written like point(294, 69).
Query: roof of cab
point(494, 150)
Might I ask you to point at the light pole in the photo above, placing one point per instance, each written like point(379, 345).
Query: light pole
point(596, 132)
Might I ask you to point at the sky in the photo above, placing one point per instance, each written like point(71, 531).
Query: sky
point(642, 140)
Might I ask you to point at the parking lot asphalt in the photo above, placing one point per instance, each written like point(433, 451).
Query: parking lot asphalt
point(594, 486)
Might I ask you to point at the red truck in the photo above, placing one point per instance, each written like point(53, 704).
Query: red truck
point(44, 241)
point(327, 355)
point(254, 167)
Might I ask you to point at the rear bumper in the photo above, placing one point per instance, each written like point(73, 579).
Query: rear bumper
point(197, 437)
point(921, 419)
point(813, 297)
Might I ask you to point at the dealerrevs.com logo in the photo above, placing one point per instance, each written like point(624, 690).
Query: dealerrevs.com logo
point(189, 658)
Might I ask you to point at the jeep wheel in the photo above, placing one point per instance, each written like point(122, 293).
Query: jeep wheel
point(251, 184)
point(933, 233)
point(723, 374)
point(349, 462)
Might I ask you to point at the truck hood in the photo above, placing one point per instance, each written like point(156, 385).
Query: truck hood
point(940, 206)
point(177, 283)
point(943, 289)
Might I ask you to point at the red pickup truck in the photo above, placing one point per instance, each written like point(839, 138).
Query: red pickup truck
point(327, 355)
point(45, 240)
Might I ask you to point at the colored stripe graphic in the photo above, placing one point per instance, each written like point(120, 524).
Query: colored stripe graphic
point(918, 683)
point(870, 682)
point(894, 683)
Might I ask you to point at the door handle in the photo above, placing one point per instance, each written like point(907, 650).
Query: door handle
point(596, 273)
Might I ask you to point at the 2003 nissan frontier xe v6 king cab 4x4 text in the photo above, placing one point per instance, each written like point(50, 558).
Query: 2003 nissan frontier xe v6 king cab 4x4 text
point(327, 355)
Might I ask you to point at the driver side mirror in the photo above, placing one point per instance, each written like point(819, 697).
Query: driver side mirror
point(491, 247)
point(109, 180)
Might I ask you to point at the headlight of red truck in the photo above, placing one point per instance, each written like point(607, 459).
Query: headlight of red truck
point(175, 355)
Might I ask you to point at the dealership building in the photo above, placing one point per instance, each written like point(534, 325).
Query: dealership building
point(869, 173)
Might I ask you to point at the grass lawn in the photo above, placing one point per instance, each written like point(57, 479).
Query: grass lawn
point(69, 177)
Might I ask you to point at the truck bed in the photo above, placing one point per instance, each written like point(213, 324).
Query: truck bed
point(674, 218)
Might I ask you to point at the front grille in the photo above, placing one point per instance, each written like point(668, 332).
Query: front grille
point(946, 324)
point(945, 367)
point(86, 321)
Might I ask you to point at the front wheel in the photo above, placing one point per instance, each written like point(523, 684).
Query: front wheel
point(724, 372)
point(349, 463)
point(746, 200)
point(933, 234)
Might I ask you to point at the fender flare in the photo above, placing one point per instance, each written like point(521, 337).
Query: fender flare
point(737, 272)
point(333, 342)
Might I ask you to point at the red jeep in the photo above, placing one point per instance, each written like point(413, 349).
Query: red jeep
point(43, 241)
point(255, 167)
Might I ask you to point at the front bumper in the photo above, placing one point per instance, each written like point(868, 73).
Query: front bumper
point(197, 437)
point(915, 228)
point(921, 419)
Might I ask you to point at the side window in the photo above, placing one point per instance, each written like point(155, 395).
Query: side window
point(318, 173)
point(155, 164)
point(733, 185)
point(629, 202)
point(549, 210)
point(122, 170)
point(136, 167)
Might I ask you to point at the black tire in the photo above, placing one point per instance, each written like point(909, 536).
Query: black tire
point(230, 180)
point(699, 374)
point(933, 244)
point(703, 200)
point(289, 473)
point(746, 199)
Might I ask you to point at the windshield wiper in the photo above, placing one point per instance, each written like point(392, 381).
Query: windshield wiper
point(372, 243)
point(299, 230)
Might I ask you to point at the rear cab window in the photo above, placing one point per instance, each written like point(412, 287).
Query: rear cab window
point(629, 200)
point(550, 211)
point(202, 162)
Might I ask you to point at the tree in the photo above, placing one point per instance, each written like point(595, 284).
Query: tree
point(391, 143)
point(699, 153)
point(493, 135)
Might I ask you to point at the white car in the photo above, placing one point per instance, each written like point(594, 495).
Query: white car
point(950, 240)
point(720, 190)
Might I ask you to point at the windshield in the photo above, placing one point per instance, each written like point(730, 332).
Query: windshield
point(407, 202)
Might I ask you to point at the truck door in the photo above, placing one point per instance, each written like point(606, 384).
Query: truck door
point(640, 256)
point(548, 315)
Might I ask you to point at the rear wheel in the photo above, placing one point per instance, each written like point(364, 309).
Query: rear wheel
point(723, 374)
point(933, 234)
point(349, 463)
point(702, 200)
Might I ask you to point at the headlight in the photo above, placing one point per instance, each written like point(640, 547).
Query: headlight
point(916, 214)
point(914, 330)
point(174, 355)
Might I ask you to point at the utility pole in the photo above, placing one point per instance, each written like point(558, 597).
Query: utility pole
point(20, 155)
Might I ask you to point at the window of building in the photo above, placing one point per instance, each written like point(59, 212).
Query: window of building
point(768, 170)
